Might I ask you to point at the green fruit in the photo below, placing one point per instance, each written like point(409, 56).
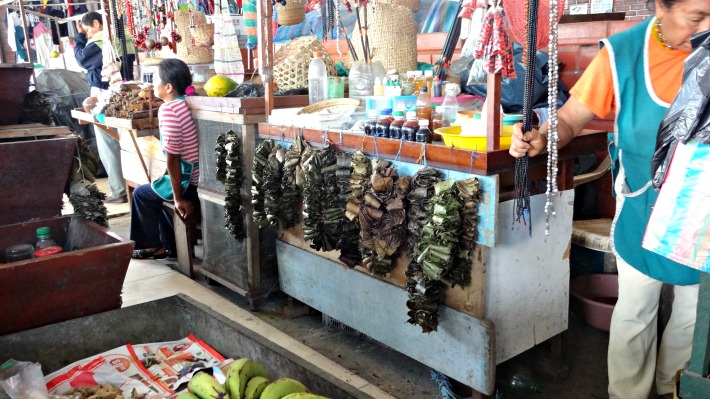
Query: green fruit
point(240, 372)
point(206, 387)
point(255, 387)
point(282, 387)
point(187, 395)
point(219, 86)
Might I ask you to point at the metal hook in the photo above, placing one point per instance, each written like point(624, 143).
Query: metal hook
point(422, 155)
point(362, 145)
point(474, 155)
point(282, 129)
point(377, 151)
point(341, 138)
point(325, 137)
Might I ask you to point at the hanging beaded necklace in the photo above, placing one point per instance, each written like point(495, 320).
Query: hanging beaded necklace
point(552, 136)
point(660, 36)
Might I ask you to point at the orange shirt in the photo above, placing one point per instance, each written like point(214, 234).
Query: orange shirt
point(595, 89)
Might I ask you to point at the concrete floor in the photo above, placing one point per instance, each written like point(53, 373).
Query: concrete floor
point(580, 372)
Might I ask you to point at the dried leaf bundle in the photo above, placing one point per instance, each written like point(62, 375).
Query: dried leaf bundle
point(88, 201)
point(383, 218)
point(261, 158)
point(292, 185)
point(273, 172)
point(349, 244)
point(322, 214)
point(230, 172)
point(469, 191)
point(419, 199)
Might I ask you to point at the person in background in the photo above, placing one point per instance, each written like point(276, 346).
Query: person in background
point(152, 226)
point(88, 50)
point(636, 75)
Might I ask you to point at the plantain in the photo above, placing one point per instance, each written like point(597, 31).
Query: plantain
point(282, 387)
point(303, 395)
point(255, 387)
point(240, 372)
point(187, 395)
point(206, 387)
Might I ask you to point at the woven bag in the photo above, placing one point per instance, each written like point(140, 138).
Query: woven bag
point(392, 35)
point(292, 60)
point(411, 4)
point(188, 49)
point(293, 13)
point(204, 35)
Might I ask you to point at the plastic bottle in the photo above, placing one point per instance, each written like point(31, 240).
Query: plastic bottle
point(379, 87)
point(518, 383)
point(423, 134)
point(424, 105)
point(396, 125)
point(383, 124)
point(371, 123)
point(410, 127)
point(317, 79)
point(45, 244)
point(450, 106)
point(437, 121)
point(429, 80)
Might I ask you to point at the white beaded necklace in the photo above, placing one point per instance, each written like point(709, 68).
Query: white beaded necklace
point(552, 136)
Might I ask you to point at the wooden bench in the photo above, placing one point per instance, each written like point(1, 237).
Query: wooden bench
point(187, 232)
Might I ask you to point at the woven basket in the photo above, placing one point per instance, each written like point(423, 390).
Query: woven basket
point(392, 35)
point(292, 60)
point(186, 51)
point(204, 35)
point(411, 4)
point(293, 13)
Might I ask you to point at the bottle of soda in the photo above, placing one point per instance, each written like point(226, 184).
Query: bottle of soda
point(45, 244)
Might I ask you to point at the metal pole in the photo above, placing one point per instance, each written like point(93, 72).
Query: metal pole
point(61, 46)
point(27, 39)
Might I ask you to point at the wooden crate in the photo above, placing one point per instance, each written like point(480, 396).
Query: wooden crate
point(85, 279)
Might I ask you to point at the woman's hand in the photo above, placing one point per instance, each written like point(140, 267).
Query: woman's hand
point(80, 27)
point(531, 143)
point(183, 207)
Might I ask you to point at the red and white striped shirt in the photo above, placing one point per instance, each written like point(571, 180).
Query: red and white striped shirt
point(179, 133)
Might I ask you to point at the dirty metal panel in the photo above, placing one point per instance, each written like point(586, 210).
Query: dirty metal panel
point(462, 348)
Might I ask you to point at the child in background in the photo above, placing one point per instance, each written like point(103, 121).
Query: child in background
point(151, 226)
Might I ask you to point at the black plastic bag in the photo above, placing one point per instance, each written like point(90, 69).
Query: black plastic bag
point(688, 116)
point(512, 90)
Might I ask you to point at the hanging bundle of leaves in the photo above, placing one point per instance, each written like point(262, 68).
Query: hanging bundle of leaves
point(273, 172)
point(322, 214)
point(425, 297)
point(383, 218)
point(292, 185)
point(230, 172)
point(261, 157)
point(440, 236)
point(221, 154)
point(84, 196)
point(419, 198)
point(357, 182)
point(469, 191)
point(349, 244)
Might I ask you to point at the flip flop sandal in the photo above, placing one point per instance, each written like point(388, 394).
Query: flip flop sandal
point(147, 254)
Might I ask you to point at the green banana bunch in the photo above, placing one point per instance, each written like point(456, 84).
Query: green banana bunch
point(303, 395)
point(239, 374)
point(187, 395)
point(255, 387)
point(206, 387)
point(282, 387)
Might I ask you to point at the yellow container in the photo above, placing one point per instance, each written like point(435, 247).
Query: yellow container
point(470, 121)
point(452, 138)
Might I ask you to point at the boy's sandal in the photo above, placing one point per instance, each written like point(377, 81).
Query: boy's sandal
point(147, 254)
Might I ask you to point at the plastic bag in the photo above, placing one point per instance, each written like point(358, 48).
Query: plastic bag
point(23, 380)
point(688, 116)
point(512, 89)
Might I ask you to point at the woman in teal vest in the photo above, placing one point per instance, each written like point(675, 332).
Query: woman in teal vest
point(635, 77)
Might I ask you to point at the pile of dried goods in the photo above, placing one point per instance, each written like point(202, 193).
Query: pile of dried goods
point(133, 102)
point(322, 215)
point(469, 191)
point(231, 173)
point(292, 185)
point(273, 172)
point(261, 158)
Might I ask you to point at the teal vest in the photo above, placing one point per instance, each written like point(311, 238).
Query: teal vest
point(639, 113)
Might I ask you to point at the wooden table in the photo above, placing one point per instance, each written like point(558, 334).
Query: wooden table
point(520, 292)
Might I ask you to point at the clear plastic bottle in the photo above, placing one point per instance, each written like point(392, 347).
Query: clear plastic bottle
point(379, 87)
point(317, 79)
point(410, 127)
point(371, 123)
point(437, 121)
point(45, 244)
point(396, 125)
point(383, 124)
point(450, 106)
point(518, 382)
